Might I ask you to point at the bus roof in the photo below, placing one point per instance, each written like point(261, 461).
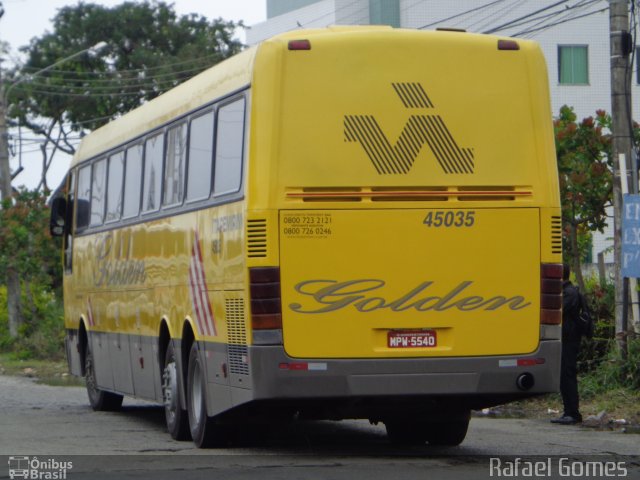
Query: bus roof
point(221, 79)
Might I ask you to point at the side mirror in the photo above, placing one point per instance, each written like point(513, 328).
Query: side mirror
point(57, 223)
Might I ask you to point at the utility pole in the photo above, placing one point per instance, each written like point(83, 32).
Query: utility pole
point(5, 170)
point(621, 119)
point(12, 277)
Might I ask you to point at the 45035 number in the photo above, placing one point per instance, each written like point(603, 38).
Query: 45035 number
point(450, 218)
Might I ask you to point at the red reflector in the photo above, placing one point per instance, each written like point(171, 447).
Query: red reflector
point(267, 321)
point(299, 45)
point(551, 270)
point(265, 305)
point(264, 274)
point(529, 362)
point(293, 366)
point(551, 285)
point(508, 45)
point(550, 317)
point(549, 301)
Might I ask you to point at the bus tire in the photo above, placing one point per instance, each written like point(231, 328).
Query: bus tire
point(205, 431)
point(406, 432)
point(100, 400)
point(448, 433)
point(175, 415)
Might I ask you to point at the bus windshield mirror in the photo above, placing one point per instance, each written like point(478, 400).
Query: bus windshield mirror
point(58, 216)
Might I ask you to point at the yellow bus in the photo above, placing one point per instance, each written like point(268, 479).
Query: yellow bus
point(352, 222)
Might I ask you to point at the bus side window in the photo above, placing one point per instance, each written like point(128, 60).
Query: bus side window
point(114, 187)
point(98, 192)
point(84, 198)
point(152, 173)
point(175, 165)
point(229, 147)
point(132, 182)
point(200, 157)
point(68, 237)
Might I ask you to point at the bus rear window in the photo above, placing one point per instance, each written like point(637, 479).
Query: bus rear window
point(230, 140)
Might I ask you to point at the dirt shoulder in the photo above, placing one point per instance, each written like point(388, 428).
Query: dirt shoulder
point(617, 410)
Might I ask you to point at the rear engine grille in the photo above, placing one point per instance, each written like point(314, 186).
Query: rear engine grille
point(257, 238)
point(235, 315)
point(556, 235)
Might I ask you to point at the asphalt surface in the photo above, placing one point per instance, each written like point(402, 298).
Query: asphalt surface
point(56, 423)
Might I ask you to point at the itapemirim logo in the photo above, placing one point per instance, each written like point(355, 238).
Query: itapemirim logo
point(420, 129)
point(34, 468)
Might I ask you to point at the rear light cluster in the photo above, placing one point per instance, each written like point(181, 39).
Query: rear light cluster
point(551, 293)
point(508, 45)
point(266, 306)
point(299, 45)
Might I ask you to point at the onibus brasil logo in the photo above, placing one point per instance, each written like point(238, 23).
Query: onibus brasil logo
point(38, 468)
point(421, 128)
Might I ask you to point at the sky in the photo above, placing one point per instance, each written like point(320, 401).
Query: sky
point(25, 19)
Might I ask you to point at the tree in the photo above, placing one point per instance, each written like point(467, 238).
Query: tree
point(150, 49)
point(586, 181)
point(26, 247)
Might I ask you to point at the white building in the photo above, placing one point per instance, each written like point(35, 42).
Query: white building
point(573, 34)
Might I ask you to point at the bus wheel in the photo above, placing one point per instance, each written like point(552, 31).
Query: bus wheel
point(176, 417)
point(100, 400)
point(449, 433)
point(406, 432)
point(205, 431)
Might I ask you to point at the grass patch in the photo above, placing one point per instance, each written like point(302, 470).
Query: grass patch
point(48, 372)
point(619, 403)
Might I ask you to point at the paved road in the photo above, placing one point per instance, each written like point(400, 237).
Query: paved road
point(56, 422)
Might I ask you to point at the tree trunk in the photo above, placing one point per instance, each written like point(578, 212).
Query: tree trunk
point(13, 302)
point(573, 235)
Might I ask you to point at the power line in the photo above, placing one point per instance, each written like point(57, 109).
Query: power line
point(113, 84)
point(546, 21)
point(505, 25)
point(137, 70)
point(133, 80)
point(547, 16)
point(526, 32)
point(491, 18)
point(461, 14)
point(88, 94)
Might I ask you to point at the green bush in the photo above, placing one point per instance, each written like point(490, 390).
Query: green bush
point(41, 336)
point(614, 373)
point(601, 299)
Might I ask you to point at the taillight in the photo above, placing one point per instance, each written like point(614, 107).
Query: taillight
point(266, 306)
point(299, 45)
point(551, 293)
point(508, 45)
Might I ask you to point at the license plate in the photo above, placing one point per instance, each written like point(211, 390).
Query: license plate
point(413, 339)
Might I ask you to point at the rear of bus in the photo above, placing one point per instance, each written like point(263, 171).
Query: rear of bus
point(404, 224)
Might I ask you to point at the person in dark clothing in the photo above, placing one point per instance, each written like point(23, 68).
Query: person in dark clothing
point(571, 304)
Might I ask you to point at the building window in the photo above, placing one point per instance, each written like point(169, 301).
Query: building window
point(384, 12)
point(573, 65)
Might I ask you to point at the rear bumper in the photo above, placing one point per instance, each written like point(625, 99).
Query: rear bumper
point(278, 376)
